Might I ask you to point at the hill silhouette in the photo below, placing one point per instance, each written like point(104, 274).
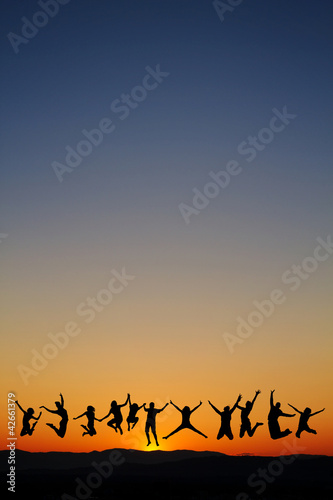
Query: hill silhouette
point(181, 474)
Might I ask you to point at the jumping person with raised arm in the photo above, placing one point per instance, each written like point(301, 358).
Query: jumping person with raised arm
point(133, 409)
point(89, 428)
point(303, 420)
point(225, 429)
point(117, 419)
point(27, 416)
point(246, 424)
point(151, 420)
point(61, 430)
point(273, 424)
point(186, 424)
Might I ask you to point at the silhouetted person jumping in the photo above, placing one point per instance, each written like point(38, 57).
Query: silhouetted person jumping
point(186, 424)
point(246, 424)
point(117, 419)
point(225, 429)
point(303, 420)
point(133, 409)
point(89, 428)
point(151, 420)
point(27, 416)
point(273, 424)
point(61, 431)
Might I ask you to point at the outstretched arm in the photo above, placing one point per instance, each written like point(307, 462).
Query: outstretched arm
point(128, 397)
point(196, 407)
point(293, 407)
point(141, 406)
point(144, 407)
point(255, 396)
point(271, 398)
point(129, 400)
point(316, 412)
point(20, 406)
point(106, 416)
point(173, 404)
point(214, 408)
point(161, 409)
point(47, 409)
point(236, 404)
point(61, 400)
point(287, 414)
point(75, 418)
point(37, 418)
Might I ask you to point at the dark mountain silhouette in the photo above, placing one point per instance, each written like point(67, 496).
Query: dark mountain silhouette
point(180, 474)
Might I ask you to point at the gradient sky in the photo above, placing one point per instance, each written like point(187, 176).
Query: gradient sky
point(162, 337)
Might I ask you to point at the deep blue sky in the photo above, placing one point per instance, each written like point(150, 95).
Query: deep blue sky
point(225, 78)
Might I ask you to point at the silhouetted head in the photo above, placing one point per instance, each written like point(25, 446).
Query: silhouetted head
point(113, 404)
point(307, 411)
point(30, 411)
point(278, 405)
point(186, 410)
point(58, 404)
point(226, 408)
point(248, 404)
point(90, 408)
point(152, 405)
point(135, 406)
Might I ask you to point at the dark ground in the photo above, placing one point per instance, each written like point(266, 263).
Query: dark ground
point(167, 475)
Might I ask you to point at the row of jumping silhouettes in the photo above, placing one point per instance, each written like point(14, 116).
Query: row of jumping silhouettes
point(225, 428)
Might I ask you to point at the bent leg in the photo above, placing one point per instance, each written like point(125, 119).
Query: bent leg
point(311, 431)
point(252, 431)
point(135, 421)
point(53, 427)
point(111, 424)
point(284, 434)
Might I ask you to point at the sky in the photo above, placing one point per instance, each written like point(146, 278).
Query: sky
point(199, 201)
